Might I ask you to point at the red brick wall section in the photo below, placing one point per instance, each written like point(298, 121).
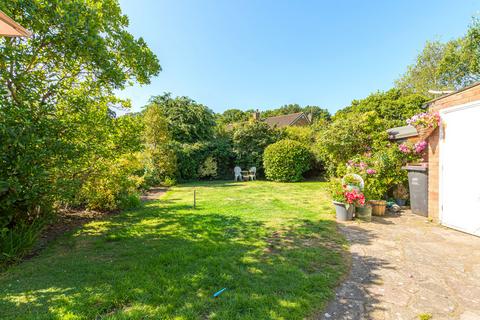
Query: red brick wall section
point(466, 96)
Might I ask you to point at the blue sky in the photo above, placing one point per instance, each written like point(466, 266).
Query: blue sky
point(265, 53)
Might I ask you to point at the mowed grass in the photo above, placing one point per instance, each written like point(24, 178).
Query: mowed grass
point(274, 247)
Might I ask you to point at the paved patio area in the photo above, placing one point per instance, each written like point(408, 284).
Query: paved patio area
point(404, 267)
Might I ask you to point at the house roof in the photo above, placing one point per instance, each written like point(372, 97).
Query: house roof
point(402, 132)
point(9, 28)
point(285, 120)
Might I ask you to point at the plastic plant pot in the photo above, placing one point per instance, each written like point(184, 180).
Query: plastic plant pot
point(364, 213)
point(341, 211)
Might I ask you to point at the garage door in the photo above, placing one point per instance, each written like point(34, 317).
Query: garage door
point(460, 168)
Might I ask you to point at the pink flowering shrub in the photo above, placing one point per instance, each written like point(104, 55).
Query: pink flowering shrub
point(425, 120)
point(360, 167)
point(417, 148)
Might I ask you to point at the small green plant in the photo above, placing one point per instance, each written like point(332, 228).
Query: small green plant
point(208, 169)
point(169, 182)
point(336, 190)
point(18, 240)
point(425, 316)
point(350, 179)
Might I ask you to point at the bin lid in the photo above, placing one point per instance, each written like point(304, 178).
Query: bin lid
point(415, 168)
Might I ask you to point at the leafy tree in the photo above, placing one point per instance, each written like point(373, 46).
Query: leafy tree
point(161, 159)
point(425, 73)
point(250, 140)
point(188, 121)
point(392, 106)
point(317, 113)
point(286, 109)
point(445, 66)
point(52, 86)
point(233, 116)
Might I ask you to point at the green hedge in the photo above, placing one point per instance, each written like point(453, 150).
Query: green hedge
point(286, 160)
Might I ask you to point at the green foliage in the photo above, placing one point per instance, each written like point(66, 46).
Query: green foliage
point(160, 160)
point(387, 165)
point(361, 127)
point(112, 184)
point(445, 66)
point(57, 94)
point(286, 160)
point(348, 136)
point(208, 169)
point(336, 190)
point(393, 107)
point(249, 142)
point(230, 116)
point(304, 135)
point(188, 121)
point(16, 241)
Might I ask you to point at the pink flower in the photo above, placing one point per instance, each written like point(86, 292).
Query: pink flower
point(354, 197)
point(363, 165)
point(420, 146)
point(404, 148)
point(371, 171)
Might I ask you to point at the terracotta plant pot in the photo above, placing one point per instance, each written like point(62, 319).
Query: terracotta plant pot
point(424, 133)
point(341, 211)
point(364, 213)
point(378, 207)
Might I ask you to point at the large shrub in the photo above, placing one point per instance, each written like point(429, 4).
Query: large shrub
point(113, 184)
point(286, 160)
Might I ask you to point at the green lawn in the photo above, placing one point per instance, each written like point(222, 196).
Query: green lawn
point(274, 246)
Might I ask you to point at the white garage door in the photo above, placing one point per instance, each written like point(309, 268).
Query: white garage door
point(460, 168)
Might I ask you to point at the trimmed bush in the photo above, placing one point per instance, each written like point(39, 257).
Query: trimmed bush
point(286, 160)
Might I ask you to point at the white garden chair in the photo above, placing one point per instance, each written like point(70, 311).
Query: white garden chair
point(238, 173)
point(253, 173)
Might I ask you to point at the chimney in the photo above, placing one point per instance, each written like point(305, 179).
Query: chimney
point(256, 115)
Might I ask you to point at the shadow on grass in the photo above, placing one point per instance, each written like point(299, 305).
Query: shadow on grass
point(166, 260)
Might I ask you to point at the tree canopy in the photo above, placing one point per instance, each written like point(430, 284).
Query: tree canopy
point(445, 66)
point(188, 121)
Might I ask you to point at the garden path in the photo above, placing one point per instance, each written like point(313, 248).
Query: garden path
point(405, 267)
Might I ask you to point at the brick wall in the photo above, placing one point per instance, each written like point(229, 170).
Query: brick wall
point(468, 95)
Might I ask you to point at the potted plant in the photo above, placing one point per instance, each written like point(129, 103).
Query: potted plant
point(375, 190)
point(337, 192)
point(425, 123)
point(400, 194)
point(364, 212)
point(354, 198)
